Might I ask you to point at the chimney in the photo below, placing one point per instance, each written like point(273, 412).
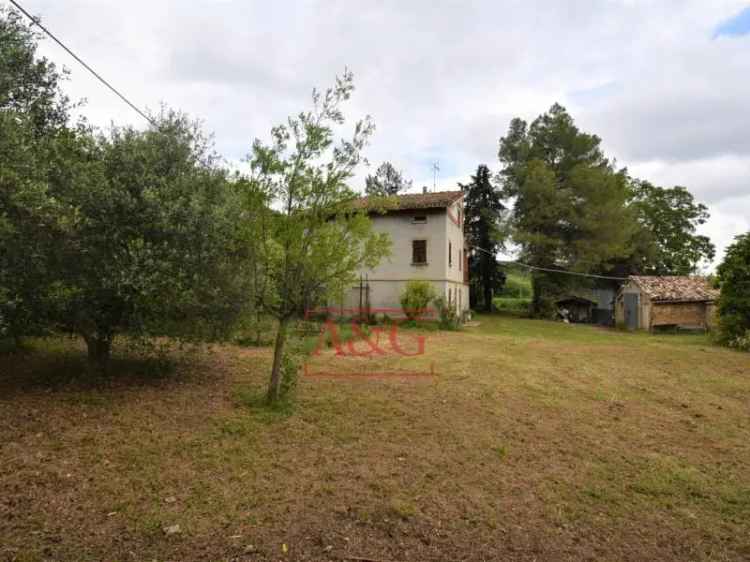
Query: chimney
point(424, 189)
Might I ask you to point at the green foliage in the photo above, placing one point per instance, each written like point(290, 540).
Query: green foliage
point(314, 245)
point(291, 363)
point(570, 204)
point(484, 232)
point(666, 242)
point(33, 113)
point(153, 250)
point(448, 319)
point(29, 85)
point(417, 296)
point(734, 302)
point(517, 284)
point(130, 232)
point(512, 304)
point(386, 181)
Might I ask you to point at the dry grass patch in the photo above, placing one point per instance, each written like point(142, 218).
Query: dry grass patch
point(532, 441)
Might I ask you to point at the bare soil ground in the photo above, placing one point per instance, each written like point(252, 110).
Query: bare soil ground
point(531, 441)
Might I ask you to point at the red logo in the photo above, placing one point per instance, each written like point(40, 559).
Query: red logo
point(369, 340)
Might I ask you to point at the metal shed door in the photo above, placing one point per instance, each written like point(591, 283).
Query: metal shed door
point(631, 311)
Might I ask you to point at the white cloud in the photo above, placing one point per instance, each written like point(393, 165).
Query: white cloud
point(441, 79)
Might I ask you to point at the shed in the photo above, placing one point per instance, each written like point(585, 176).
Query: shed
point(577, 309)
point(648, 302)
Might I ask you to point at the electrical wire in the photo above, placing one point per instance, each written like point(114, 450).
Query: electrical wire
point(86, 66)
point(552, 270)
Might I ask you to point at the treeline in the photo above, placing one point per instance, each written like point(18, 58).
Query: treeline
point(563, 204)
point(146, 234)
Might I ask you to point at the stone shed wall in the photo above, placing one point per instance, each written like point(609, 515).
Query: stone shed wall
point(686, 314)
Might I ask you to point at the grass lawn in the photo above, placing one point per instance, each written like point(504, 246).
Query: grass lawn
point(532, 441)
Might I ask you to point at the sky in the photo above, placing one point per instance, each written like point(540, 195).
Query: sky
point(665, 84)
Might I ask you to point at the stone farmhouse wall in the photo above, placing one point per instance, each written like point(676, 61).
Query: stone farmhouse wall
point(685, 314)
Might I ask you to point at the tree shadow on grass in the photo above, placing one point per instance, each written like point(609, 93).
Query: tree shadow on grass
point(60, 365)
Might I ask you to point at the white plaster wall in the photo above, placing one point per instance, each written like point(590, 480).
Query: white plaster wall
point(403, 231)
point(388, 279)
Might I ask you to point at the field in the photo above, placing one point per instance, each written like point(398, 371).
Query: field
point(524, 440)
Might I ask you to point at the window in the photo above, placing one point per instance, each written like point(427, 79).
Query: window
point(419, 219)
point(419, 251)
point(450, 254)
point(459, 260)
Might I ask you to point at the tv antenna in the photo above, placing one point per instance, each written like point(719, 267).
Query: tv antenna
point(435, 170)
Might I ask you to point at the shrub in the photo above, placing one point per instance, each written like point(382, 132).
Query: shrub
point(448, 318)
point(741, 342)
point(416, 298)
point(734, 302)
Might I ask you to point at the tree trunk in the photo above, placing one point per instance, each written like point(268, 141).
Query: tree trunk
point(99, 350)
point(17, 342)
point(274, 385)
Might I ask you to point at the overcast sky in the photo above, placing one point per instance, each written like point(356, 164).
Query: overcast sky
point(666, 84)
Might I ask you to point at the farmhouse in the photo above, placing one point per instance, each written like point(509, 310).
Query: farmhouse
point(426, 231)
point(647, 302)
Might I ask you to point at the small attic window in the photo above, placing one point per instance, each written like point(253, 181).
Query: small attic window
point(419, 219)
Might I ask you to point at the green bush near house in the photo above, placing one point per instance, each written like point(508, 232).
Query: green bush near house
point(448, 319)
point(416, 297)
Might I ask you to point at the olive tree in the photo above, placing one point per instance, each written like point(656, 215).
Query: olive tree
point(319, 240)
point(152, 246)
point(33, 123)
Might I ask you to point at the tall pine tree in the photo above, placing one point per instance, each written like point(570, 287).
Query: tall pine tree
point(386, 181)
point(570, 203)
point(483, 219)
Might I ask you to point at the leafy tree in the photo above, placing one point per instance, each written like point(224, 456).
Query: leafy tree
point(33, 121)
point(318, 240)
point(151, 247)
point(734, 302)
point(255, 228)
point(570, 204)
point(28, 218)
point(29, 85)
point(483, 210)
point(386, 181)
point(666, 243)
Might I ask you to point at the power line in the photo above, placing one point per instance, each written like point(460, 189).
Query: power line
point(552, 270)
point(566, 272)
point(86, 66)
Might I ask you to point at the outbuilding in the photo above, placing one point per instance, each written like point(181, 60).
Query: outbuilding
point(576, 309)
point(648, 302)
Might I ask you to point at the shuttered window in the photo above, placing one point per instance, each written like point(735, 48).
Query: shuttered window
point(419, 251)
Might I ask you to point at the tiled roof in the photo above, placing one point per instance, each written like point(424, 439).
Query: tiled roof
point(415, 201)
point(675, 288)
